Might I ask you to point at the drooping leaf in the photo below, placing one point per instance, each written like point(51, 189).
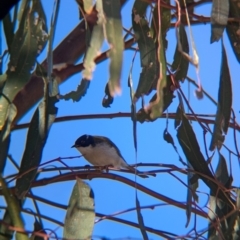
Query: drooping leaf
point(8, 30)
point(36, 138)
point(107, 99)
point(5, 233)
point(4, 146)
point(28, 42)
point(3, 78)
point(6, 7)
point(180, 63)
point(191, 192)
point(140, 220)
point(88, 6)
point(14, 209)
point(219, 18)
point(236, 219)
point(224, 104)
point(165, 22)
point(221, 172)
point(95, 43)
point(80, 216)
point(5, 135)
point(168, 137)
point(232, 28)
point(156, 107)
point(144, 114)
point(147, 48)
point(79, 93)
point(218, 208)
point(189, 144)
point(113, 30)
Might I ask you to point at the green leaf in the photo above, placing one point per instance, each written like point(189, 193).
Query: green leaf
point(219, 208)
point(144, 115)
point(5, 135)
point(107, 99)
point(3, 78)
point(236, 220)
point(157, 107)
point(28, 42)
point(180, 63)
point(80, 216)
point(221, 172)
point(95, 43)
point(219, 18)
point(5, 233)
point(88, 6)
point(233, 28)
point(191, 192)
point(140, 220)
point(147, 48)
point(224, 104)
point(79, 93)
point(165, 22)
point(113, 30)
point(14, 210)
point(189, 144)
point(36, 139)
point(8, 30)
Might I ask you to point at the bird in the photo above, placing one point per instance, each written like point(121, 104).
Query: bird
point(101, 151)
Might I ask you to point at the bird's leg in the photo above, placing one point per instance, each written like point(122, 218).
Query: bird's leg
point(106, 168)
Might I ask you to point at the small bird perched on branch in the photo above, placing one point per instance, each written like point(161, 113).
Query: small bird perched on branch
point(101, 151)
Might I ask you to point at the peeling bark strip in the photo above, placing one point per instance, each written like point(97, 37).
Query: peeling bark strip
point(219, 18)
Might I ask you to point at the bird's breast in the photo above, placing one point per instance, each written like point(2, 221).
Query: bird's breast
point(102, 156)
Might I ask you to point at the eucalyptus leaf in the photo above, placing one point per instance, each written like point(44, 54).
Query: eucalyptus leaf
point(107, 99)
point(5, 232)
point(165, 22)
point(219, 18)
point(8, 30)
point(224, 105)
point(189, 144)
point(113, 30)
point(27, 43)
point(180, 63)
point(233, 28)
point(36, 139)
point(144, 114)
point(80, 216)
point(147, 48)
point(79, 93)
point(88, 6)
point(95, 44)
point(5, 135)
point(191, 192)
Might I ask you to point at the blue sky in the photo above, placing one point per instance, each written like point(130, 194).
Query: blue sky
point(112, 196)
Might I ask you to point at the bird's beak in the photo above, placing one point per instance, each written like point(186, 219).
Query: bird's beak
point(73, 146)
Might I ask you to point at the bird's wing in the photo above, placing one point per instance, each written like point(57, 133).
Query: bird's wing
point(101, 139)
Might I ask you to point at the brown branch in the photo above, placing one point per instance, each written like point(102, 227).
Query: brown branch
point(125, 115)
point(97, 174)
